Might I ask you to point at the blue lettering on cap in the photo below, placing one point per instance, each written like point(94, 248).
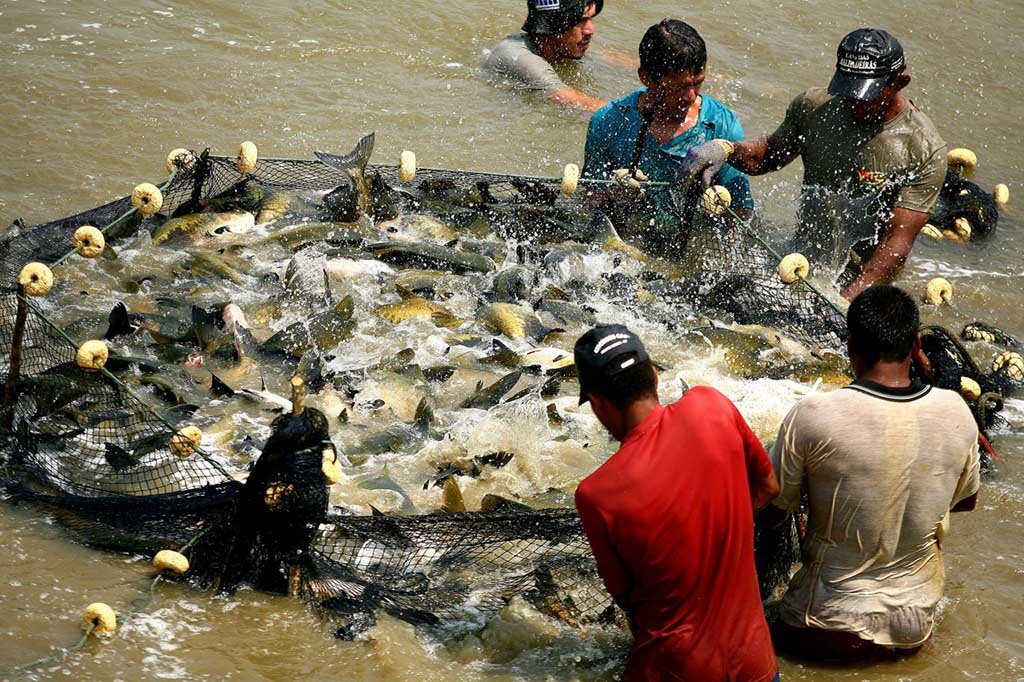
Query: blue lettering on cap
point(545, 5)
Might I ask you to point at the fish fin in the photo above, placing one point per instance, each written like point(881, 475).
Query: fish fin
point(548, 332)
point(245, 342)
point(453, 502)
point(602, 228)
point(118, 458)
point(404, 293)
point(452, 244)
point(376, 512)
point(204, 325)
point(118, 323)
point(327, 287)
point(358, 158)
point(424, 418)
point(346, 307)
point(218, 387)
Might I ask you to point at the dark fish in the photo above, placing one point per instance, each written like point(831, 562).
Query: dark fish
point(352, 197)
point(486, 398)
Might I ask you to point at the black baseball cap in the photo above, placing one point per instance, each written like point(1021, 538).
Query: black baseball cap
point(551, 17)
point(866, 61)
point(605, 352)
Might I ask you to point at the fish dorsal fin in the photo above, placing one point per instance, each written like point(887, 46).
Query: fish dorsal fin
point(356, 159)
point(218, 386)
point(345, 307)
point(118, 323)
point(405, 292)
point(328, 291)
point(424, 418)
point(602, 228)
point(453, 502)
point(263, 381)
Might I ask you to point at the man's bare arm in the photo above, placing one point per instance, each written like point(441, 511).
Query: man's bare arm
point(892, 252)
point(761, 155)
point(763, 491)
point(574, 99)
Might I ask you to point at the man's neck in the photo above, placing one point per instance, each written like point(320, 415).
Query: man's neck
point(887, 373)
point(899, 103)
point(636, 413)
point(548, 49)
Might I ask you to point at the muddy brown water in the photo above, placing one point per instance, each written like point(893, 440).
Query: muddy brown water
point(95, 93)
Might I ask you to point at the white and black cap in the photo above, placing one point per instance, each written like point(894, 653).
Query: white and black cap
point(867, 60)
point(605, 352)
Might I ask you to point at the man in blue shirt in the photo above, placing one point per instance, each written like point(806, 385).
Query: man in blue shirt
point(671, 116)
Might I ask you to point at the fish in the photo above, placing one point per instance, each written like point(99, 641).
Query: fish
point(535, 359)
point(412, 307)
point(199, 224)
point(385, 482)
point(514, 285)
point(210, 263)
point(351, 198)
point(399, 437)
point(429, 257)
point(324, 330)
point(354, 234)
point(514, 321)
point(486, 398)
point(274, 205)
point(267, 398)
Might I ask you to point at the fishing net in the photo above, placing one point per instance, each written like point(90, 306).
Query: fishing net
point(118, 471)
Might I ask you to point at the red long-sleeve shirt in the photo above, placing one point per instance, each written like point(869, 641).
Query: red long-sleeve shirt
point(670, 522)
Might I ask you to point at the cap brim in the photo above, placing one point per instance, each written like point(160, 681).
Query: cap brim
point(856, 87)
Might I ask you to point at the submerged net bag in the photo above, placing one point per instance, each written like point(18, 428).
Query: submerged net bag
point(114, 469)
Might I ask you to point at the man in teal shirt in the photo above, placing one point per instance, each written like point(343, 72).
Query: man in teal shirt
point(671, 116)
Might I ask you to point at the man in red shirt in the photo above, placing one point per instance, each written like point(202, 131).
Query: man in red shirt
point(670, 518)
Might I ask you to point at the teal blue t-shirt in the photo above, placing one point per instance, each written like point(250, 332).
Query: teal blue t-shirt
point(612, 135)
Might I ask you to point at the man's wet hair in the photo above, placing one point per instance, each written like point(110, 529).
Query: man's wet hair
point(672, 46)
point(883, 322)
point(628, 386)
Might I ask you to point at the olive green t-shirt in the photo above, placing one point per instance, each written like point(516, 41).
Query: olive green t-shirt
point(855, 172)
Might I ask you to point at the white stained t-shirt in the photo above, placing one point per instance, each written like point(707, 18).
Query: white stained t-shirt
point(882, 468)
point(517, 59)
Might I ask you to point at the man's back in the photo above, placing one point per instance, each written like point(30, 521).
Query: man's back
point(882, 468)
point(669, 517)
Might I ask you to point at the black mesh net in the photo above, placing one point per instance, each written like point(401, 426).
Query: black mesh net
point(110, 464)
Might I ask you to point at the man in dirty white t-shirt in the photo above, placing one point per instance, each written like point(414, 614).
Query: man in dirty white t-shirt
point(555, 31)
point(883, 462)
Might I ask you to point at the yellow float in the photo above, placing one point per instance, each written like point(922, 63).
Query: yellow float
point(36, 279)
point(100, 617)
point(169, 560)
point(186, 441)
point(89, 241)
point(147, 198)
point(92, 355)
point(247, 157)
point(793, 267)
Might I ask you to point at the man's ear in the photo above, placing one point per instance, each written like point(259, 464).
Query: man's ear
point(902, 81)
point(916, 348)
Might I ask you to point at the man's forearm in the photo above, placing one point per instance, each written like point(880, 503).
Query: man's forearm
point(574, 99)
point(759, 155)
point(890, 255)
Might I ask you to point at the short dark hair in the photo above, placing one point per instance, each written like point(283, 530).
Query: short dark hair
point(672, 46)
point(882, 323)
point(626, 387)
